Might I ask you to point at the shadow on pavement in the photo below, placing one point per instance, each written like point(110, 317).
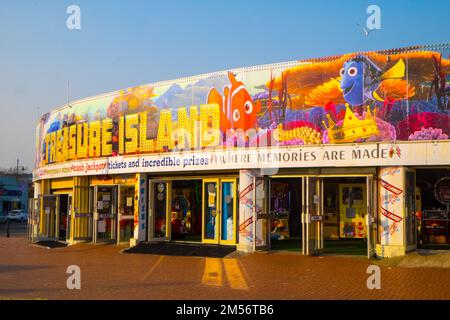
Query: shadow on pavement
point(182, 249)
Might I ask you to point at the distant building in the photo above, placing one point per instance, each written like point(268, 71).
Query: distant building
point(14, 192)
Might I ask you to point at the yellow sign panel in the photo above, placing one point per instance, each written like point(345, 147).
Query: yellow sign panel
point(96, 139)
point(63, 183)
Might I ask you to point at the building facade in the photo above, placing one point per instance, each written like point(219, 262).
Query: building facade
point(344, 149)
point(14, 192)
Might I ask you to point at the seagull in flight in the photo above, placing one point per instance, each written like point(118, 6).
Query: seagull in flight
point(366, 31)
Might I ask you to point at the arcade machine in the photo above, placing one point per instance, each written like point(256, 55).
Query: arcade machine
point(352, 211)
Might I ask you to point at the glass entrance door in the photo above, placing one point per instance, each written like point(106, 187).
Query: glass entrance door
point(312, 226)
point(82, 217)
point(126, 213)
point(105, 213)
point(219, 211)
point(33, 219)
point(159, 202)
point(261, 213)
point(49, 207)
point(69, 217)
point(65, 206)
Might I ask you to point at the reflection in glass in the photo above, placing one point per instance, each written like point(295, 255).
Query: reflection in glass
point(160, 195)
point(106, 215)
point(127, 212)
point(210, 203)
point(227, 211)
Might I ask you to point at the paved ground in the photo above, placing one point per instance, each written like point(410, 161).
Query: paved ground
point(28, 271)
point(16, 229)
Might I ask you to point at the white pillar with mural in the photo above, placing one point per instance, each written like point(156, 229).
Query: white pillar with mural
point(391, 212)
point(248, 213)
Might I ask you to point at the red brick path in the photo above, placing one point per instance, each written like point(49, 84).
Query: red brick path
point(34, 272)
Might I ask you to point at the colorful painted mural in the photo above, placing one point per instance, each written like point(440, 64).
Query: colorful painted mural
point(391, 95)
point(392, 198)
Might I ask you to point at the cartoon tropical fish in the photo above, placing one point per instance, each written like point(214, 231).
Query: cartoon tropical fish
point(361, 79)
point(237, 110)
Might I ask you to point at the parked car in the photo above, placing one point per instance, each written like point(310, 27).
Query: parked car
point(17, 215)
point(3, 217)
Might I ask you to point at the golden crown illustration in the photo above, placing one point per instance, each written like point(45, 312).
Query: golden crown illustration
point(352, 127)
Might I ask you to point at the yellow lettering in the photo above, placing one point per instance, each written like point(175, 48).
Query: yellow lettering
point(132, 133)
point(52, 147)
point(72, 142)
point(106, 137)
point(82, 139)
point(65, 144)
point(59, 145)
point(146, 144)
point(165, 130)
point(187, 128)
point(47, 148)
point(210, 122)
point(94, 139)
point(121, 134)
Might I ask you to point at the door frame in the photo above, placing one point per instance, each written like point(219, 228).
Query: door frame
point(312, 225)
point(69, 213)
point(151, 208)
point(217, 218)
point(265, 214)
point(33, 219)
point(50, 233)
point(412, 246)
point(95, 219)
point(306, 217)
point(305, 211)
point(82, 214)
point(219, 201)
point(119, 215)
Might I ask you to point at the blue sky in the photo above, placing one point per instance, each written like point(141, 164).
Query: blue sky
point(127, 43)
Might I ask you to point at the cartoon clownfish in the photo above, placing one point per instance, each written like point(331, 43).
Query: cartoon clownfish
point(237, 110)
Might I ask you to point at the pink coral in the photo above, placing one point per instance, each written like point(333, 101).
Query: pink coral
point(416, 122)
point(428, 134)
point(386, 131)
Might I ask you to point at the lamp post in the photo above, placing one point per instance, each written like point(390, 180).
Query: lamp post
point(17, 171)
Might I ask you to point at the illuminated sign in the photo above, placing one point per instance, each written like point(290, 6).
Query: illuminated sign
point(95, 139)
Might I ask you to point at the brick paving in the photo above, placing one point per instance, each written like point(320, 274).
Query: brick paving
point(28, 271)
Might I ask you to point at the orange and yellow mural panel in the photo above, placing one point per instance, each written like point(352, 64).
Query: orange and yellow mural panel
point(391, 95)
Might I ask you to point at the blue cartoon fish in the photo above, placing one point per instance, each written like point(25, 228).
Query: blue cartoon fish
point(361, 79)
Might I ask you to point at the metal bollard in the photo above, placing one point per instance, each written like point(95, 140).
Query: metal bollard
point(7, 228)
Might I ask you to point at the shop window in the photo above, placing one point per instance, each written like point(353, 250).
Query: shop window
point(433, 209)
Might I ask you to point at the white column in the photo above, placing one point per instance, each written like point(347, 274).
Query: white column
point(37, 189)
point(246, 212)
point(391, 212)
